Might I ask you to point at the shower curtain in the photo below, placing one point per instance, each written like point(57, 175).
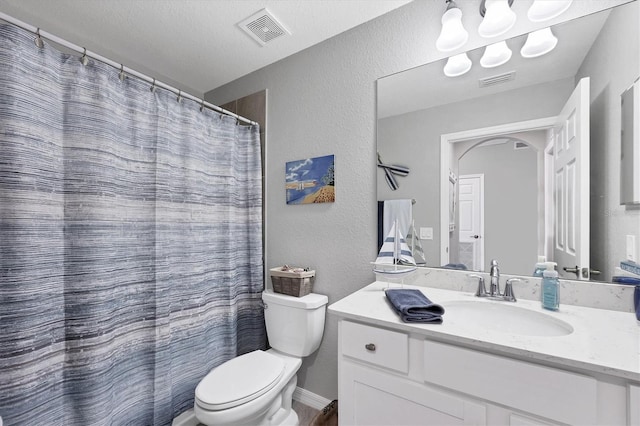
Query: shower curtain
point(130, 242)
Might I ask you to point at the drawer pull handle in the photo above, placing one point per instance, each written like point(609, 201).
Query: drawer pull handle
point(370, 347)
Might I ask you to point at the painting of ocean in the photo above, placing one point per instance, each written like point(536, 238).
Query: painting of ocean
point(310, 180)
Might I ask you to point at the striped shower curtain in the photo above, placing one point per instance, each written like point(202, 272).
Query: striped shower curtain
point(130, 242)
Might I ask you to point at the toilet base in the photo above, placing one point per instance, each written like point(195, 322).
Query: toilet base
point(279, 413)
point(291, 419)
point(270, 409)
point(188, 418)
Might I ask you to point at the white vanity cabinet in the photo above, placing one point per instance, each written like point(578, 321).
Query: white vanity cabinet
point(397, 377)
point(376, 386)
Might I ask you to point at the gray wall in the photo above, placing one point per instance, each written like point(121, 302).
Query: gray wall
point(322, 101)
point(510, 203)
point(613, 66)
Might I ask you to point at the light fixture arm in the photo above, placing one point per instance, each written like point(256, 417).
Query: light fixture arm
point(451, 4)
point(483, 8)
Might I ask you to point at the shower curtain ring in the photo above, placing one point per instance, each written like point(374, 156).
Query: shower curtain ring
point(122, 75)
point(85, 59)
point(202, 105)
point(153, 86)
point(179, 96)
point(38, 40)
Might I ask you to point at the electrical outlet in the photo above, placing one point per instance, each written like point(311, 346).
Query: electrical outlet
point(426, 233)
point(631, 248)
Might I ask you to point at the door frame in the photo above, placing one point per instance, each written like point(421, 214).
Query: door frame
point(447, 139)
point(480, 241)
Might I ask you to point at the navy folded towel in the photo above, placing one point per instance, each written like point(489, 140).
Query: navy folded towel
point(413, 306)
point(623, 279)
point(458, 266)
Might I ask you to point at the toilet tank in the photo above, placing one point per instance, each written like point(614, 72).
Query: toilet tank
point(294, 324)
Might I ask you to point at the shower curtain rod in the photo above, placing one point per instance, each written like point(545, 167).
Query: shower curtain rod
point(36, 31)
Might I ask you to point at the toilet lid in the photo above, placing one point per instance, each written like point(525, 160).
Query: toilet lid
point(239, 380)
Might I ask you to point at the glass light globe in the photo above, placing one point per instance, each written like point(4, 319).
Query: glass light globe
point(457, 65)
point(539, 43)
point(453, 35)
point(495, 55)
point(543, 10)
point(498, 18)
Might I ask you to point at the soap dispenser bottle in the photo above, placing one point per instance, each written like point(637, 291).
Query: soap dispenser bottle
point(540, 267)
point(550, 291)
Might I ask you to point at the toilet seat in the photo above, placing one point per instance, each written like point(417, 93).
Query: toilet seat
point(239, 380)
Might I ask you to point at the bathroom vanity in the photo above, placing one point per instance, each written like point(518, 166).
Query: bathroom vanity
point(490, 362)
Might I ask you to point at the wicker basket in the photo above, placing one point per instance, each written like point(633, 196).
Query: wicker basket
point(296, 284)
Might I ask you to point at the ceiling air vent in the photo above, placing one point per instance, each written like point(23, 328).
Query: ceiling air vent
point(497, 79)
point(263, 27)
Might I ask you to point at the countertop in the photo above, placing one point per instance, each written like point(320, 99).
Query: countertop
point(602, 341)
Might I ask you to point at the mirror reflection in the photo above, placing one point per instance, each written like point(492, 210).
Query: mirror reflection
point(486, 152)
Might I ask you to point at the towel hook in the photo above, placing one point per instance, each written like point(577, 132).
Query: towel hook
point(38, 40)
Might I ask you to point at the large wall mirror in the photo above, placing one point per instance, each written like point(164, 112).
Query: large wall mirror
point(494, 168)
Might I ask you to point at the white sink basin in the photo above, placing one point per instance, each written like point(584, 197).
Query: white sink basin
point(504, 317)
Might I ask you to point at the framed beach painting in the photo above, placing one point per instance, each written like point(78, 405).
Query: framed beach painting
point(310, 180)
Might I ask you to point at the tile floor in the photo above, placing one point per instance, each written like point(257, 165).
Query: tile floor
point(305, 413)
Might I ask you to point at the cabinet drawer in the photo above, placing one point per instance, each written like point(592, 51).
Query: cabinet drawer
point(385, 348)
point(536, 389)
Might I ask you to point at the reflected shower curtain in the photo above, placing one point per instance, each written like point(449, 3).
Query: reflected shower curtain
point(130, 242)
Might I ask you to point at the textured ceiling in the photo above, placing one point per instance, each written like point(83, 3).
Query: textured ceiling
point(195, 45)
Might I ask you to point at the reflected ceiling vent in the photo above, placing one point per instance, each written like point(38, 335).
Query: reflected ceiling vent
point(518, 144)
point(263, 27)
point(497, 79)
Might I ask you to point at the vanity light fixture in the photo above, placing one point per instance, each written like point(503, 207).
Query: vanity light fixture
point(543, 10)
point(457, 65)
point(495, 54)
point(498, 17)
point(453, 35)
point(539, 43)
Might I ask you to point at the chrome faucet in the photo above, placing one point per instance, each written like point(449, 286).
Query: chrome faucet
point(508, 290)
point(494, 282)
point(494, 286)
point(482, 290)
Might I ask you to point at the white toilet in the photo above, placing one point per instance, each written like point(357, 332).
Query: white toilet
point(257, 388)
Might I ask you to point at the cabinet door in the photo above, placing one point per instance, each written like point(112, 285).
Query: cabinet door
point(371, 397)
point(634, 405)
point(526, 387)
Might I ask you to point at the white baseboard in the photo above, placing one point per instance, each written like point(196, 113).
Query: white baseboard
point(309, 398)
